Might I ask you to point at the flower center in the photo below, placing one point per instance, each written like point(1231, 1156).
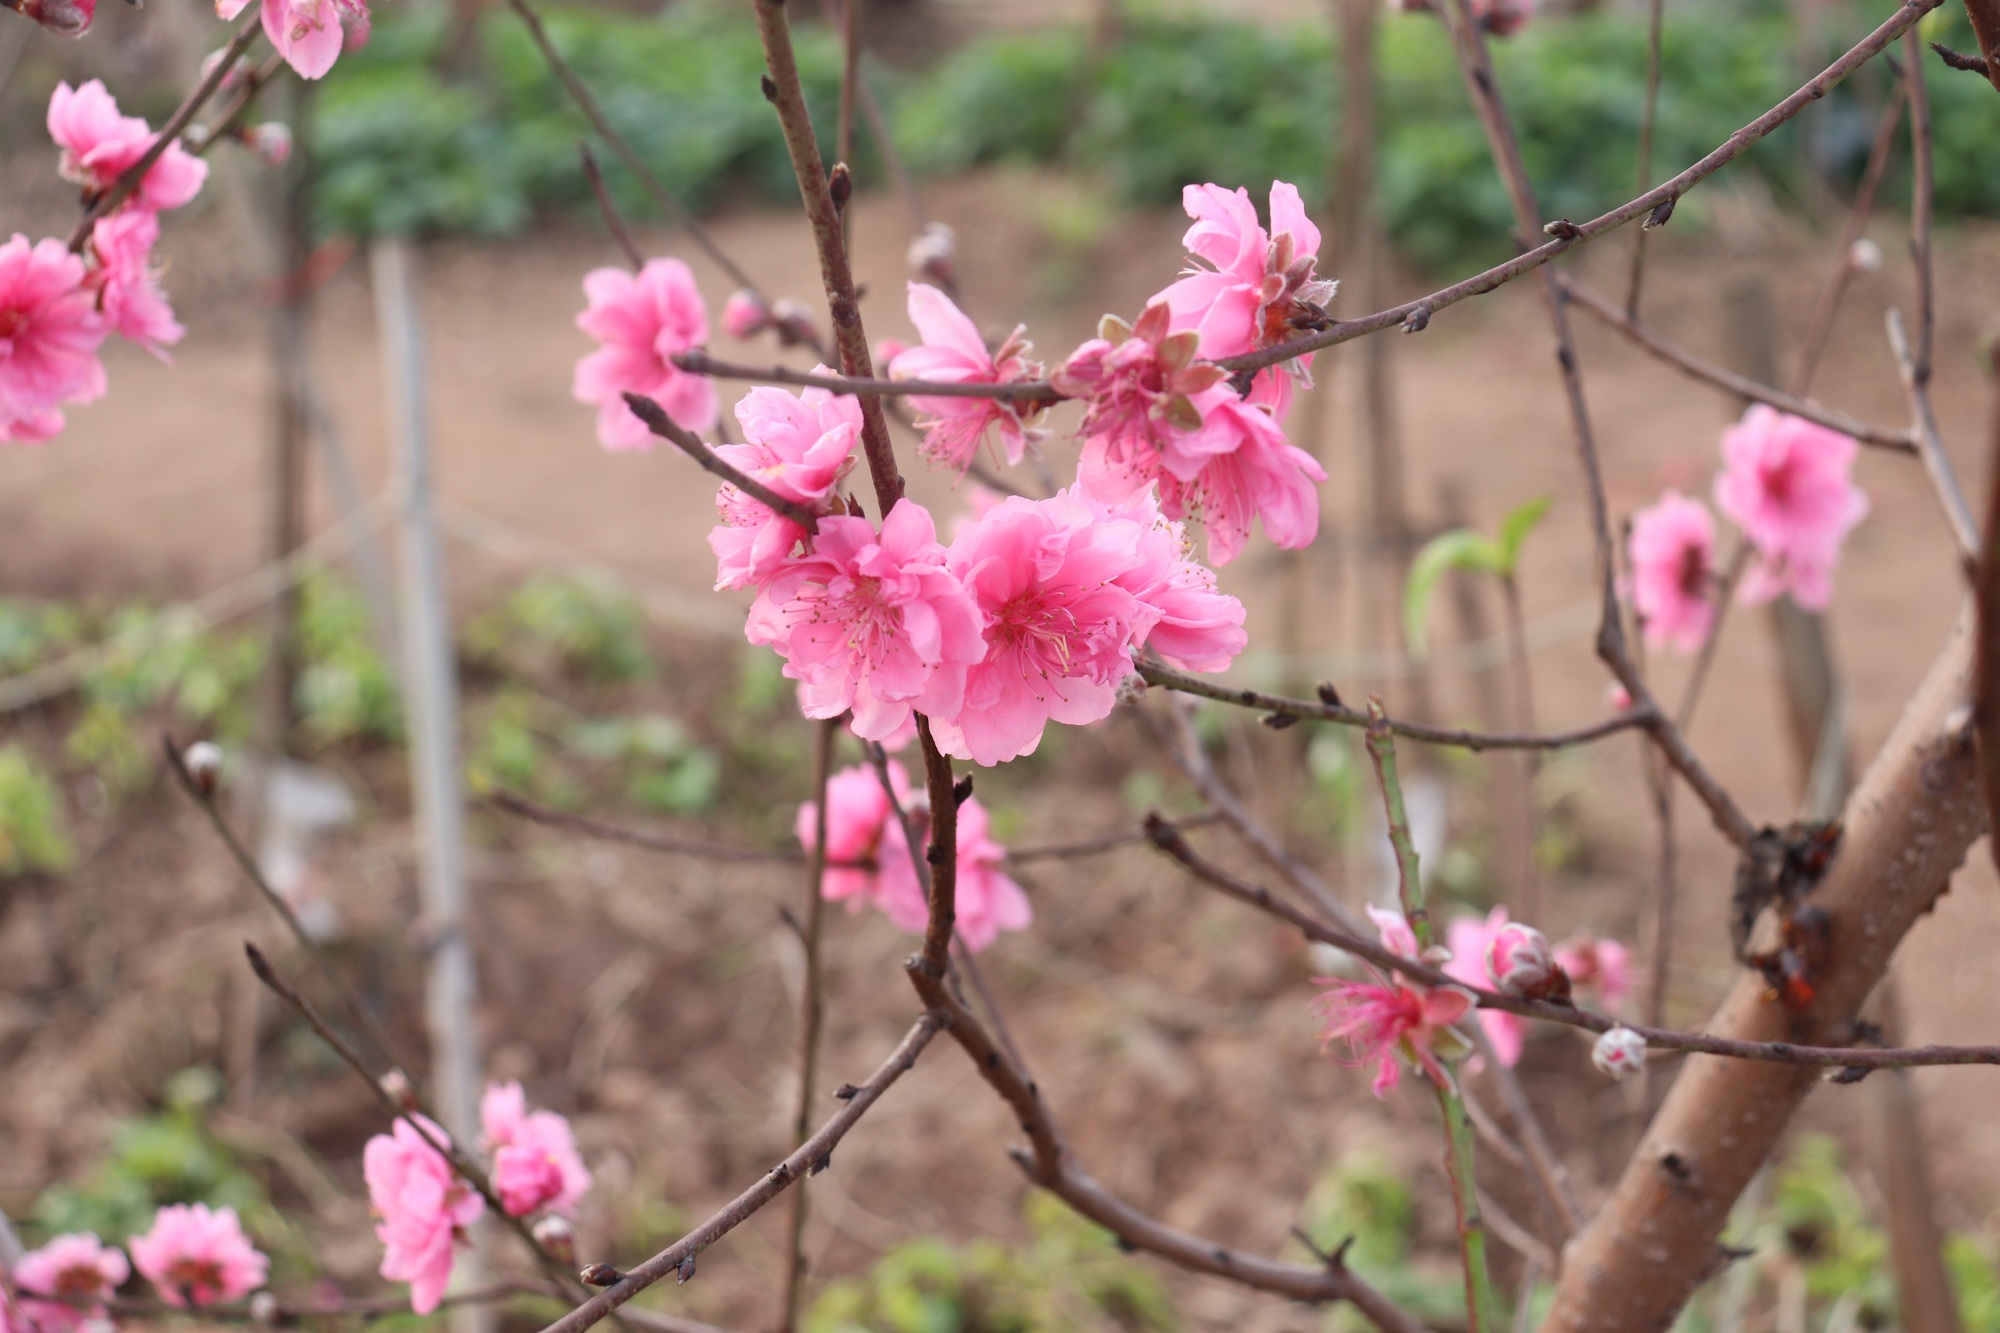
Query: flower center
point(1039, 631)
point(1694, 571)
point(192, 1274)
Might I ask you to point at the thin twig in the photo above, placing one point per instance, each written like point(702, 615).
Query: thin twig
point(1109, 842)
point(668, 429)
point(813, 1155)
point(1820, 327)
point(1741, 386)
point(248, 90)
point(1648, 118)
point(1546, 1168)
point(1409, 881)
point(698, 362)
point(608, 210)
point(1923, 190)
point(1725, 594)
point(128, 179)
point(811, 1011)
point(516, 804)
point(1937, 463)
point(1169, 840)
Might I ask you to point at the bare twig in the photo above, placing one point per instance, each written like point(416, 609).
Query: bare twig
point(249, 88)
point(128, 179)
point(1741, 386)
point(1937, 463)
point(516, 804)
point(698, 362)
point(1409, 882)
point(1960, 60)
point(812, 1155)
point(608, 210)
point(668, 429)
point(1648, 117)
point(1725, 594)
point(1923, 189)
point(811, 1010)
point(1820, 327)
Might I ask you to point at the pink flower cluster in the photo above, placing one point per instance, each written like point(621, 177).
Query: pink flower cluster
point(952, 352)
point(309, 34)
point(57, 308)
point(535, 1161)
point(1486, 952)
point(75, 1275)
point(196, 1256)
point(868, 858)
point(1788, 484)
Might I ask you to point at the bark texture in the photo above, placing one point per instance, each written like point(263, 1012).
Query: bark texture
point(1908, 826)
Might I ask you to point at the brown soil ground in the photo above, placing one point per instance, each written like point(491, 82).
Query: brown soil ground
point(653, 996)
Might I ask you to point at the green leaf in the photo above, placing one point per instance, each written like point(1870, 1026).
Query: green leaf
point(1459, 549)
point(1514, 530)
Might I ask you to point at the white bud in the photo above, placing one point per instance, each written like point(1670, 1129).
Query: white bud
point(1619, 1054)
point(933, 253)
point(271, 141)
point(264, 1308)
point(1864, 256)
point(204, 765)
point(558, 1237)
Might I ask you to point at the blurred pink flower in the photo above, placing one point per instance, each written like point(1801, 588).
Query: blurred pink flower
point(1600, 963)
point(872, 622)
point(1672, 550)
point(130, 293)
point(50, 331)
point(1256, 289)
point(98, 143)
point(271, 141)
point(952, 352)
point(744, 314)
point(535, 1162)
point(77, 1272)
point(196, 1256)
point(987, 901)
point(1060, 627)
point(642, 320)
point(423, 1206)
point(1394, 928)
point(799, 446)
point(307, 33)
point(64, 18)
point(1788, 483)
point(1469, 938)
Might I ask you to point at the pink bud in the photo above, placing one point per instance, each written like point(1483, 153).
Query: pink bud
point(744, 314)
point(271, 141)
point(933, 254)
point(794, 321)
point(64, 18)
point(1521, 963)
point(558, 1237)
point(1619, 1053)
point(888, 349)
point(1618, 696)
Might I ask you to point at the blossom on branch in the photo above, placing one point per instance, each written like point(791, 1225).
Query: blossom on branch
point(423, 1207)
point(952, 352)
point(307, 33)
point(1470, 938)
point(198, 1256)
point(643, 319)
point(1672, 550)
point(50, 331)
point(129, 291)
point(1789, 484)
point(99, 143)
point(1200, 627)
point(1388, 1017)
point(1598, 963)
point(800, 446)
point(77, 1273)
point(873, 622)
point(535, 1162)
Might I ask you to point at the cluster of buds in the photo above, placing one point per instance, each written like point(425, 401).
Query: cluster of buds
point(1294, 297)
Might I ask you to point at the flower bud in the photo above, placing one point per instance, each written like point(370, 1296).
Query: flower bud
point(1619, 1054)
point(601, 1275)
point(204, 766)
point(64, 18)
point(794, 322)
point(396, 1086)
point(1521, 963)
point(270, 141)
point(558, 1237)
point(264, 1309)
point(1864, 256)
point(744, 314)
point(933, 254)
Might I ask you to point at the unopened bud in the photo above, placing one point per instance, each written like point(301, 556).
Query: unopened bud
point(204, 766)
point(600, 1275)
point(1619, 1054)
point(396, 1087)
point(271, 141)
point(64, 18)
point(744, 314)
point(794, 322)
point(840, 184)
point(264, 1309)
point(1864, 256)
point(1521, 963)
point(554, 1234)
point(933, 254)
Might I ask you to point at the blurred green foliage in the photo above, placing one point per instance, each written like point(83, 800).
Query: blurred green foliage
point(1176, 99)
point(562, 624)
point(32, 836)
point(1069, 1277)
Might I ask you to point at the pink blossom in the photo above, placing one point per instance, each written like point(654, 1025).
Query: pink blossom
point(1256, 289)
point(64, 18)
point(867, 851)
point(49, 335)
point(872, 622)
point(307, 33)
point(1788, 483)
point(77, 1273)
point(1469, 938)
point(1200, 628)
point(1379, 1020)
point(952, 352)
point(987, 901)
point(1394, 928)
point(535, 1162)
point(744, 314)
point(1672, 550)
point(99, 143)
point(800, 447)
point(196, 1256)
point(130, 293)
point(1060, 628)
point(423, 1206)
point(1598, 962)
point(642, 320)
point(1138, 383)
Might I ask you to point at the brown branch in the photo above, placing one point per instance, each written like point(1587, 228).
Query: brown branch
point(129, 179)
point(811, 1011)
point(1820, 327)
point(1986, 609)
point(1109, 842)
point(1937, 463)
point(1985, 16)
point(1923, 189)
point(1960, 60)
point(698, 362)
point(1183, 683)
point(1167, 837)
point(1742, 386)
point(668, 429)
point(811, 1156)
point(1908, 827)
point(1648, 117)
point(786, 94)
point(606, 209)
point(516, 804)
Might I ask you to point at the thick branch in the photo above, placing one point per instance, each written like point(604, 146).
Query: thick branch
point(1985, 16)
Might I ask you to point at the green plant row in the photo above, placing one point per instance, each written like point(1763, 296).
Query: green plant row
point(1170, 101)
